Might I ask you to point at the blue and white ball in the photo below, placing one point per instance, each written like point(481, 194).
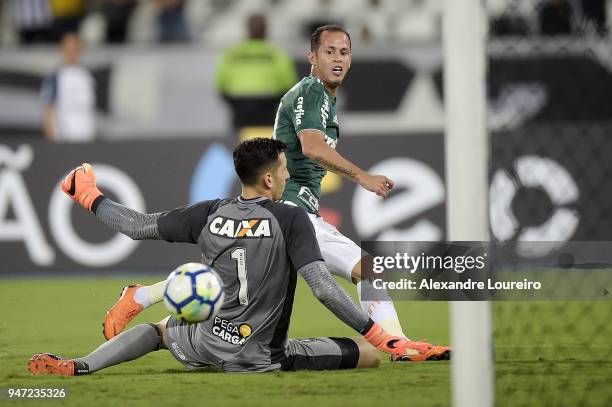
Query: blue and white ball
point(194, 292)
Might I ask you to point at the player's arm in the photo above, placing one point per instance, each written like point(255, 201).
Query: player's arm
point(49, 123)
point(315, 148)
point(337, 300)
point(310, 127)
point(80, 185)
point(49, 96)
point(334, 297)
point(178, 225)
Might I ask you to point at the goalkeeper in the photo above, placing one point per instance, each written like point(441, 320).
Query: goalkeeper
point(262, 301)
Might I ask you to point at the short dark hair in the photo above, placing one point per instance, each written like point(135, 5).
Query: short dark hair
point(253, 156)
point(315, 38)
point(256, 24)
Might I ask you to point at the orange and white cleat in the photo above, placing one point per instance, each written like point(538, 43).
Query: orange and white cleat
point(425, 353)
point(48, 363)
point(122, 312)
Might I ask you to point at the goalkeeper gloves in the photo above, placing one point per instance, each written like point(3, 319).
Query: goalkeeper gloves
point(80, 185)
point(395, 345)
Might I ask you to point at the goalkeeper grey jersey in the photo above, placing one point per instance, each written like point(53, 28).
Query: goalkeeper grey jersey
point(255, 246)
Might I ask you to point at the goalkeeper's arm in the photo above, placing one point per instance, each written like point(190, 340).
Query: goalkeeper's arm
point(136, 225)
point(80, 185)
point(334, 297)
point(325, 288)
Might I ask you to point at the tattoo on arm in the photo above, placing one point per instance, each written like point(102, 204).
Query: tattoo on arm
point(336, 168)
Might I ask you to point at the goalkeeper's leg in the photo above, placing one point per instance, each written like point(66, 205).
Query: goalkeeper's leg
point(329, 354)
point(132, 300)
point(131, 344)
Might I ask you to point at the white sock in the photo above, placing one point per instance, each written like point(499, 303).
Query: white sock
point(141, 296)
point(382, 312)
point(156, 292)
point(151, 294)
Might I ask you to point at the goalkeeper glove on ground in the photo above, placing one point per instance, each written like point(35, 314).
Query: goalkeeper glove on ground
point(394, 344)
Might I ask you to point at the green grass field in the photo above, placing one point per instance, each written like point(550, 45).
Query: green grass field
point(64, 316)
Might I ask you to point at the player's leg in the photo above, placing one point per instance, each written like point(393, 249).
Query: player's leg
point(369, 356)
point(181, 339)
point(129, 345)
point(381, 310)
point(344, 258)
point(132, 300)
point(329, 354)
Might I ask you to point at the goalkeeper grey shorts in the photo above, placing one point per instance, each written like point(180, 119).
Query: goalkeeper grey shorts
point(300, 354)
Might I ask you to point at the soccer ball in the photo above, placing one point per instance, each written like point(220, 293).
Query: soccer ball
point(194, 292)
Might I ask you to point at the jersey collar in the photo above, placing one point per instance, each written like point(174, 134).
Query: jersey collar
point(316, 78)
point(252, 201)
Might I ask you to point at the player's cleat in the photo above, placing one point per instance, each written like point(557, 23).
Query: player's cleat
point(47, 363)
point(80, 186)
point(122, 312)
point(434, 353)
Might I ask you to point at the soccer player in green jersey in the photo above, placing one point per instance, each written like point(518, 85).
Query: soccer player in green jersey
point(308, 124)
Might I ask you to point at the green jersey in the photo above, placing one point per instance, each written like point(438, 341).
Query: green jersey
point(307, 106)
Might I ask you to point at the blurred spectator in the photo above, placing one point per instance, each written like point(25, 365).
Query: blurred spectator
point(117, 14)
point(32, 20)
point(171, 21)
point(67, 17)
point(556, 18)
point(253, 75)
point(324, 15)
point(509, 19)
point(69, 97)
point(509, 26)
point(370, 22)
point(594, 12)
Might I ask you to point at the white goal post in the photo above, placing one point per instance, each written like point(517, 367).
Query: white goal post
point(466, 146)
